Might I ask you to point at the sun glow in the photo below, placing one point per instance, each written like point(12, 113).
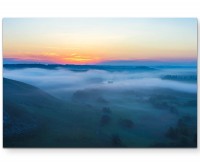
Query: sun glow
point(85, 41)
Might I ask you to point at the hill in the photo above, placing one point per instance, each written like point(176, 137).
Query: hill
point(82, 68)
point(34, 118)
point(26, 110)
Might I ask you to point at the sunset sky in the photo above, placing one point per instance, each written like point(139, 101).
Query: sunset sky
point(93, 40)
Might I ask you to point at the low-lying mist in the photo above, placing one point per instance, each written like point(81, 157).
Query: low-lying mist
point(141, 108)
point(55, 81)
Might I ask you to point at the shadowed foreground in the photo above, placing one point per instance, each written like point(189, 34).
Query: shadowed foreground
point(34, 118)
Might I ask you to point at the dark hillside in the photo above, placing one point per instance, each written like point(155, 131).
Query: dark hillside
point(24, 110)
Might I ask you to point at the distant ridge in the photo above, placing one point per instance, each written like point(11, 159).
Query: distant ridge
point(182, 62)
point(80, 67)
point(27, 61)
point(148, 62)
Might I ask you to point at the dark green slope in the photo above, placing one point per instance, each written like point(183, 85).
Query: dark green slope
point(33, 118)
point(22, 93)
point(26, 112)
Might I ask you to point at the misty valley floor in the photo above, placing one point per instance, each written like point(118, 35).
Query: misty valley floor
point(99, 107)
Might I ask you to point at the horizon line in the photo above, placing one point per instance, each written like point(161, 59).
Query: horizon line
point(166, 60)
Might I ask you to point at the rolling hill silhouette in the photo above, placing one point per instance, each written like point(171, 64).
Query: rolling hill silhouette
point(34, 118)
point(26, 110)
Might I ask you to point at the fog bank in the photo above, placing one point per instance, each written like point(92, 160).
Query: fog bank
point(66, 80)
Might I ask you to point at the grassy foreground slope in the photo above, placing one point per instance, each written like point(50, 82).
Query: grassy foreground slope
point(33, 118)
point(134, 118)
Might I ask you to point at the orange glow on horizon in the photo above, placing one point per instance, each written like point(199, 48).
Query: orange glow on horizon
point(92, 40)
point(53, 57)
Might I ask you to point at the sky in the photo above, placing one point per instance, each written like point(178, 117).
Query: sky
point(94, 40)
